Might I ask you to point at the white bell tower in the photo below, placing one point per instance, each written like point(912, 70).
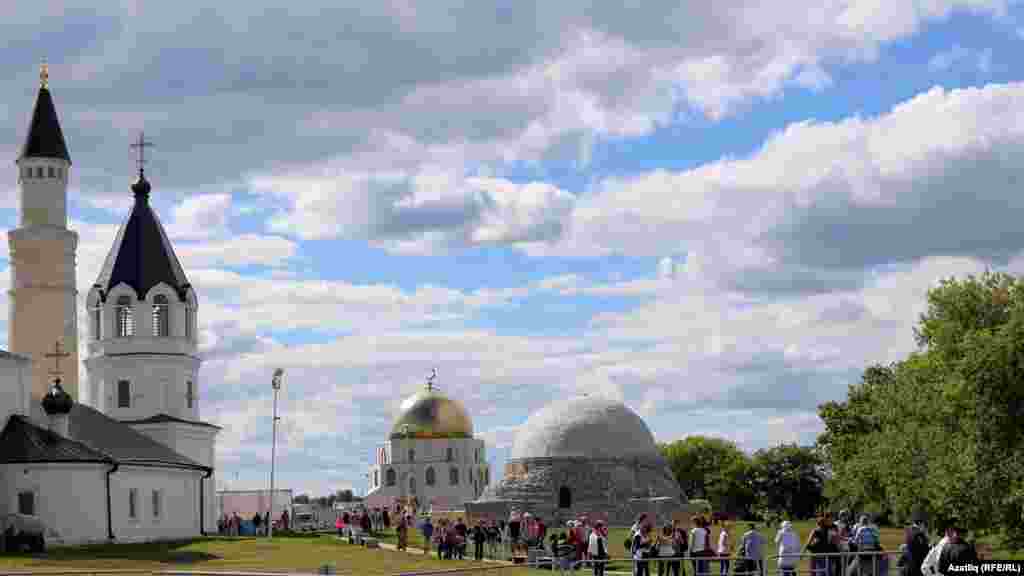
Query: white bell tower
point(42, 250)
point(143, 359)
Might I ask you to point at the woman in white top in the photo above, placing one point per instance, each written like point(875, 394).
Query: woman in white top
point(789, 549)
point(700, 546)
point(597, 548)
point(724, 550)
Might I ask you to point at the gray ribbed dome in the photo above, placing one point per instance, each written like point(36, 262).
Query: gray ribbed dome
point(585, 427)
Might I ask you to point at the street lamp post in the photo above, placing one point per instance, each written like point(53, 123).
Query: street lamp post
point(276, 383)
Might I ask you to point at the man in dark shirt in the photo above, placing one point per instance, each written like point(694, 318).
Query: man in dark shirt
point(957, 551)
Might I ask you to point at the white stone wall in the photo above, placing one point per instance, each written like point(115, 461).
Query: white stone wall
point(195, 442)
point(179, 506)
point(156, 384)
point(468, 456)
point(70, 498)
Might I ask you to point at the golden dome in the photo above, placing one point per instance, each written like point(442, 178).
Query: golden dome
point(430, 414)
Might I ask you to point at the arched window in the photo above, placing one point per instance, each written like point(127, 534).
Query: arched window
point(449, 456)
point(487, 476)
point(412, 484)
point(390, 476)
point(190, 320)
point(431, 477)
point(412, 455)
point(125, 322)
point(190, 393)
point(376, 478)
point(50, 172)
point(453, 476)
point(476, 455)
point(39, 171)
point(564, 497)
point(160, 316)
point(97, 322)
point(124, 394)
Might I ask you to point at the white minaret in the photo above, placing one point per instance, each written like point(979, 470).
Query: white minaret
point(143, 360)
point(42, 251)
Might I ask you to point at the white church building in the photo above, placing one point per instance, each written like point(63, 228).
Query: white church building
point(124, 456)
point(431, 459)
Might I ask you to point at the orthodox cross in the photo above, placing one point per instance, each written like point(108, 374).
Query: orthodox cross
point(141, 144)
point(44, 74)
point(430, 380)
point(57, 354)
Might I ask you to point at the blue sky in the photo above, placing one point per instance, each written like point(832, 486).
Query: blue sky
point(718, 214)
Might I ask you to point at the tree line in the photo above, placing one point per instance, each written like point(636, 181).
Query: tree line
point(937, 436)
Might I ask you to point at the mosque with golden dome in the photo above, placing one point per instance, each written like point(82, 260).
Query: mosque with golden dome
point(431, 458)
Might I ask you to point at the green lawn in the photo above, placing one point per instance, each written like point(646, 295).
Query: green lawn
point(295, 554)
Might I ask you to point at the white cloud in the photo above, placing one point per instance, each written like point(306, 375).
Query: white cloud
point(200, 217)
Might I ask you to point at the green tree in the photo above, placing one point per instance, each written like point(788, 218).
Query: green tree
point(789, 479)
point(940, 432)
point(713, 469)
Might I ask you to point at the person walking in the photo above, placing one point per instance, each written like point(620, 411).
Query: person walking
point(403, 534)
point(597, 548)
point(428, 534)
point(479, 537)
point(666, 550)
point(957, 551)
point(867, 542)
point(700, 546)
point(724, 550)
point(752, 547)
point(679, 549)
point(789, 549)
point(642, 550)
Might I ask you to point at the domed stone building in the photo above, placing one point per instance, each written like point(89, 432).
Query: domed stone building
point(430, 456)
point(589, 455)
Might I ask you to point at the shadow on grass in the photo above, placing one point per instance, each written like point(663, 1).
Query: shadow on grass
point(170, 552)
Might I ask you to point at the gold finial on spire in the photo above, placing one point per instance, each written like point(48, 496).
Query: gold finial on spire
point(44, 74)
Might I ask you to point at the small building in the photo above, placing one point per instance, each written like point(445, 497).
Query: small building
point(431, 459)
point(247, 503)
point(585, 456)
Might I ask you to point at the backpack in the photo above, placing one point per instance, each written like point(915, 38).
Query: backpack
point(867, 538)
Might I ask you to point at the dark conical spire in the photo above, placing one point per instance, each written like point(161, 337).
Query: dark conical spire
point(142, 256)
point(45, 139)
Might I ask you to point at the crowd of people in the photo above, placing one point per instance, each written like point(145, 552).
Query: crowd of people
point(835, 547)
point(235, 525)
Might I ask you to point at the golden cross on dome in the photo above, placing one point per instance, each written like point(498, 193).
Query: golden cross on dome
point(430, 380)
point(141, 144)
point(44, 74)
point(57, 354)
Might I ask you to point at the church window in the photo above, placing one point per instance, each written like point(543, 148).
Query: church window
point(125, 322)
point(160, 316)
point(190, 319)
point(189, 394)
point(50, 172)
point(60, 173)
point(412, 455)
point(124, 397)
point(476, 455)
point(97, 323)
point(156, 504)
point(133, 502)
point(450, 457)
point(564, 497)
point(431, 479)
point(453, 476)
point(412, 484)
point(27, 503)
point(376, 478)
point(487, 476)
point(39, 171)
point(390, 475)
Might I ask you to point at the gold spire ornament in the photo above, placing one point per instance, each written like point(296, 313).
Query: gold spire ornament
point(44, 75)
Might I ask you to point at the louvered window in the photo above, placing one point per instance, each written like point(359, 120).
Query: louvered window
point(125, 322)
point(160, 316)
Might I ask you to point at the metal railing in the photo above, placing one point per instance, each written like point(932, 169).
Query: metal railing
point(868, 563)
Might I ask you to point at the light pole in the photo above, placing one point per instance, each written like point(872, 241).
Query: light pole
point(276, 383)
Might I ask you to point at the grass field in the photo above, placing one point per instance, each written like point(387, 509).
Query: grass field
point(305, 554)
